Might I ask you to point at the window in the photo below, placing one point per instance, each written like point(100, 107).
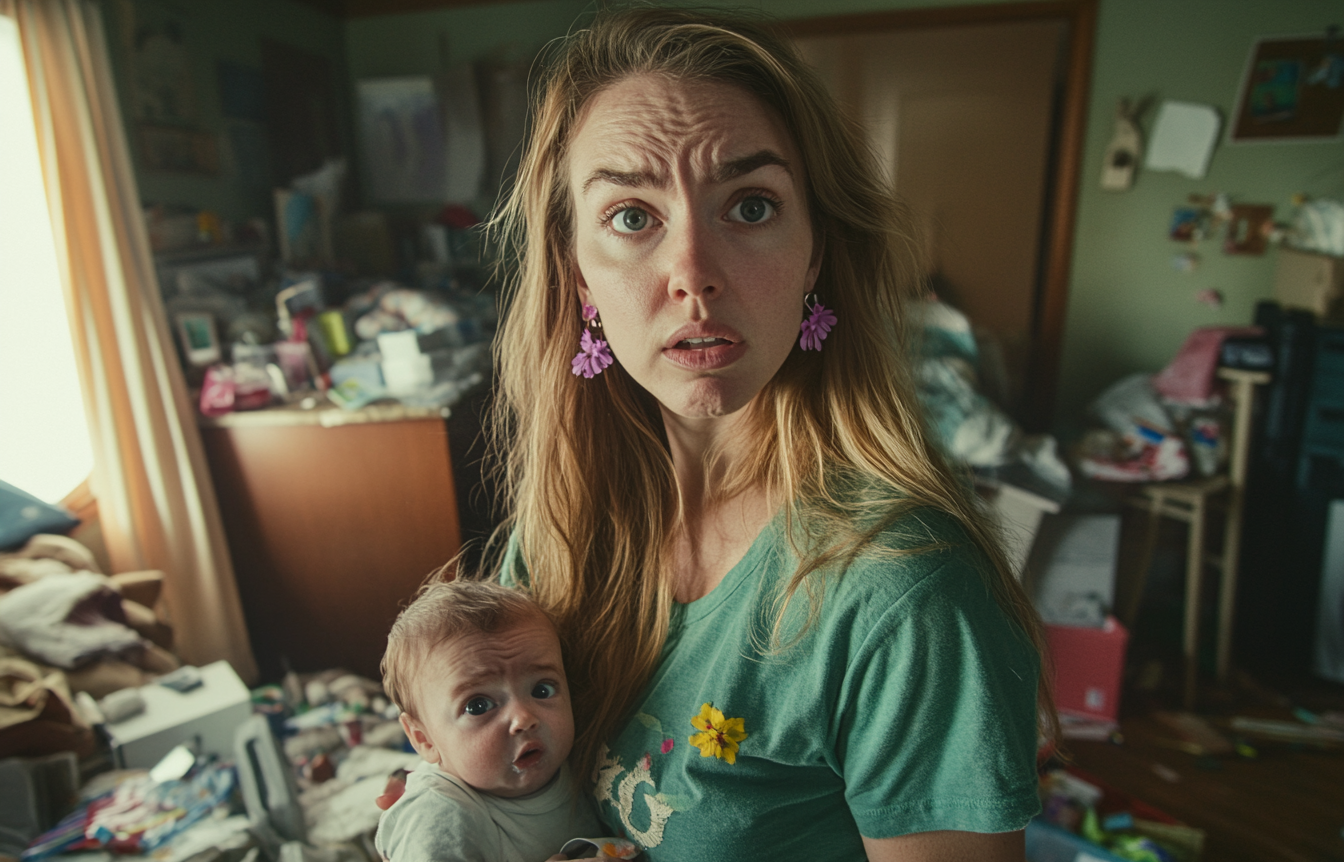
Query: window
point(44, 437)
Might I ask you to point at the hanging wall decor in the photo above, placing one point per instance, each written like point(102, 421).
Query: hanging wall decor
point(1292, 90)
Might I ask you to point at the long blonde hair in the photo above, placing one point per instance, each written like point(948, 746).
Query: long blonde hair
point(586, 467)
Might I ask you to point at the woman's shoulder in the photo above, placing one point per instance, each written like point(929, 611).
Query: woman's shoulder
point(914, 556)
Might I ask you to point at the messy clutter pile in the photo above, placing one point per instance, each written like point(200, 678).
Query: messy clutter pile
point(423, 348)
point(310, 764)
point(194, 771)
point(953, 373)
point(1170, 425)
point(334, 306)
point(66, 629)
point(1083, 818)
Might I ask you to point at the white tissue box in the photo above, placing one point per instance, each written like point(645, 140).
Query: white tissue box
point(399, 346)
point(407, 376)
point(205, 718)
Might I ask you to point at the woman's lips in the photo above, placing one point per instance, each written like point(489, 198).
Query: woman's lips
point(700, 343)
point(704, 347)
point(706, 357)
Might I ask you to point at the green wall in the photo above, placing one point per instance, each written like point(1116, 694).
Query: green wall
point(213, 30)
point(421, 42)
point(1128, 311)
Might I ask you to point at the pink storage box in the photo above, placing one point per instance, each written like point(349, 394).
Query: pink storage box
point(1089, 665)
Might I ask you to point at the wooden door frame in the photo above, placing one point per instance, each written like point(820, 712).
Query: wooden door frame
point(1052, 292)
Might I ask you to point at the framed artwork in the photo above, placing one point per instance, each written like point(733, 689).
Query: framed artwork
point(199, 339)
point(1188, 224)
point(1292, 90)
point(402, 140)
point(160, 67)
point(1248, 229)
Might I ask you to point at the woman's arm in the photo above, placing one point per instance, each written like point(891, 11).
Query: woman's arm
point(947, 847)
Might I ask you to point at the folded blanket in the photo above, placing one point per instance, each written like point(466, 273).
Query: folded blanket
point(66, 619)
point(1189, 378)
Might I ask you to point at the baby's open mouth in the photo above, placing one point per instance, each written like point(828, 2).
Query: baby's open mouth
point(530, 757)
point(701, 343)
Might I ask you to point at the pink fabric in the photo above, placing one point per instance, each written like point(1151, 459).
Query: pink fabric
point(1189, 377)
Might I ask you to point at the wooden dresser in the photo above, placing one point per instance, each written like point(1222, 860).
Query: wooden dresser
point(334, 518)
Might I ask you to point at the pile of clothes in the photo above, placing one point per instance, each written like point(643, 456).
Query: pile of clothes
point(972, 428)
point(1165, 426)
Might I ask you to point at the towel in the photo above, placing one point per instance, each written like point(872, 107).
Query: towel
point(1189, 378)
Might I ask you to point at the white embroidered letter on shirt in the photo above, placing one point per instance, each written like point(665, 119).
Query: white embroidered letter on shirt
point(608, 769)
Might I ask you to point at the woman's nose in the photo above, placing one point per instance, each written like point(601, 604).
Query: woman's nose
point(694, 270)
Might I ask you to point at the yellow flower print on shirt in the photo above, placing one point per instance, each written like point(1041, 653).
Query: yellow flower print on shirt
point(718, 736)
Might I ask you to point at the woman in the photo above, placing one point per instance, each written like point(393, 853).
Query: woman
point(789, 629)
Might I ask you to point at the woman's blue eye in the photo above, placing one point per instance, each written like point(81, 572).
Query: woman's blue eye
point(752, 210)
point(545, 690)
point(630, 220)
point(478, 706)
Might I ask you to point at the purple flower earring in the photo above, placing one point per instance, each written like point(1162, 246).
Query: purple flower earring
point(817, 325)
point(594, 354)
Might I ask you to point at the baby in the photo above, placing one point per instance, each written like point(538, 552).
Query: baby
point(476, 670)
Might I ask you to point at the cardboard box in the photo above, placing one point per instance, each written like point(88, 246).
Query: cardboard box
point(1070, 574)
point(34, 793)
point(205, 717)
point(1304, 279)
point(1089, 666)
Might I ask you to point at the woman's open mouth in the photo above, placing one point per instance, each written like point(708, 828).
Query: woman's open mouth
point(704, 347)
point(700, 343)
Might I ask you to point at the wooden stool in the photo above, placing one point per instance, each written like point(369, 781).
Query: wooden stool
point(1191, 501)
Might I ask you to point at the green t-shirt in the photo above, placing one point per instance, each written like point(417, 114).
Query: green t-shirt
point(909, 706)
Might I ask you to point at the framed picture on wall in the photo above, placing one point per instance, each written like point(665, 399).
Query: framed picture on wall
point(1292, 90)
point(199, 339)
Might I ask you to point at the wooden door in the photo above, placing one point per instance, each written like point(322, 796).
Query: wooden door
point(976, 116)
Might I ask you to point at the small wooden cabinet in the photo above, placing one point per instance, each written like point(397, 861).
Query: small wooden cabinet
point(333, 519)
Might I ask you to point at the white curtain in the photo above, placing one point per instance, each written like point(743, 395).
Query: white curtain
point(155, 499)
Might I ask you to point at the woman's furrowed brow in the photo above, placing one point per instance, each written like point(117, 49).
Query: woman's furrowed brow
point(721, 173)
point(734, 168)
point(628, 179)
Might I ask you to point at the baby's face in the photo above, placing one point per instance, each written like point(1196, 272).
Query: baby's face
point(494, 708)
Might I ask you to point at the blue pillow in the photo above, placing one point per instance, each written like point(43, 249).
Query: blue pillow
point(23, 516)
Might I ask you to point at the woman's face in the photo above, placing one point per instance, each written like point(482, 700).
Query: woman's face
point(691, 238)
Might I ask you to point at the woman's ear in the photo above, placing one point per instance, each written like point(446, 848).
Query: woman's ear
point(420, 741)
point(814, 268)
point(581, 285)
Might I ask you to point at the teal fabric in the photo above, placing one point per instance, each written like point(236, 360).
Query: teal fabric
point(908, 706)
point(23, 516)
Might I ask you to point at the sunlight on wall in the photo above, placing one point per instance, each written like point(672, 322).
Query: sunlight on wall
point(44, 438)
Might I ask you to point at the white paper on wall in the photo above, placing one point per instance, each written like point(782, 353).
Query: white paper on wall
point(1183, 138)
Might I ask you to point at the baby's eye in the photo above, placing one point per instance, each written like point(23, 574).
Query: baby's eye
point(544, 690)
point(752, 210)
point(630, 220)
point(478, 706)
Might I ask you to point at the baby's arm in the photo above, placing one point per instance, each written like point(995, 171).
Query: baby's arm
point(596, 848)
point(396, 785)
